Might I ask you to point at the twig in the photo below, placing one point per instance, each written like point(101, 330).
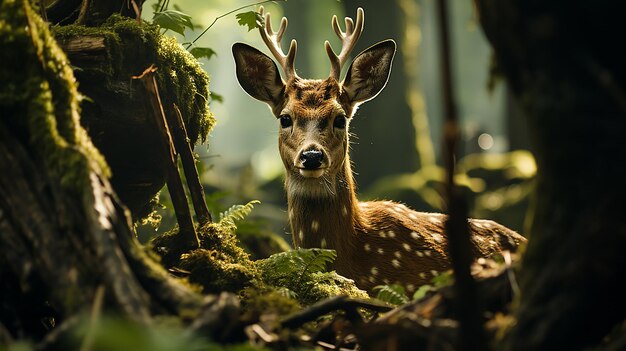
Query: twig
point(181, 141)
point(224, 15)
point(174, 183)
point(344, 303)
point(96, 311)
point(472, 335)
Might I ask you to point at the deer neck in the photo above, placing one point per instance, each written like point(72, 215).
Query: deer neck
point(325, 221)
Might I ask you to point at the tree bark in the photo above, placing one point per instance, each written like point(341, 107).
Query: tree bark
point(564, 63)
point(66, 238)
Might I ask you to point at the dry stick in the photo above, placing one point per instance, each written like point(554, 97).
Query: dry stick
point(181, 141)
point(472, 335)
point(329, 305)
point(174, 183)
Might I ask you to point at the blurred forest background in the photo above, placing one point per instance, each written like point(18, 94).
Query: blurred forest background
point(396, 146)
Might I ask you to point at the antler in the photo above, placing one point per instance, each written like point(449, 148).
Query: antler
point(348, 41)
point(272, 40)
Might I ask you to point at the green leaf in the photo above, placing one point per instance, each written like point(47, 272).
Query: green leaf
point(422, 291)
point(236, 213)
point(251, 19)
point(393, 294)
point(173, 20)
point(199, 52)
point(216, 97)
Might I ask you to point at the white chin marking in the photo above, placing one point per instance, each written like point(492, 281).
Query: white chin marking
point(311, 173)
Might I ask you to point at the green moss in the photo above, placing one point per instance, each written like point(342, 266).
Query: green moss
point(303, 272)
point(39, 100)
point(257, 301)
point(131, 47)
point(218, 265)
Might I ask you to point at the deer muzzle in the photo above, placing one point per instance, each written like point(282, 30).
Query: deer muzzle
point(311, 163)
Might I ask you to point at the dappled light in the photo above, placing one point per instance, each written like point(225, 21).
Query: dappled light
point(338, 175)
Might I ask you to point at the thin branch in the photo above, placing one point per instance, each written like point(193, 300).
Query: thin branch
point(224, 15)
point(466, 304)
point(319, 309)
point(174, 183)
point(181, 141)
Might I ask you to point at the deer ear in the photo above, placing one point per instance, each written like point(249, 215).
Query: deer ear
point(369, 72)
point(258, 74)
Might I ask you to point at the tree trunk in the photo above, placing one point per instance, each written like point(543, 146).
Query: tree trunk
point(66, 239)
point(564, 63)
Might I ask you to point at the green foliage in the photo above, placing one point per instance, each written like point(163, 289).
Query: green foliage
point(252, 19)
point(303, 274)
point(393, 294)
point(437, 282)
point(421, 292)
point(173, 20)
point(200, 52)
point(216, 97)
point(236, 213)
point(163, 334)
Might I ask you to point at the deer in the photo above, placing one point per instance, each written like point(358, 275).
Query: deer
point(377, 242)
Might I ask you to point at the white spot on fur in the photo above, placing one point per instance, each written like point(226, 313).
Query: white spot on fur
point(323, 243)
point(382, 234)
point(410, 287)
point(301, 235)
point(419, 253)
point(290, 214)
point(434, 273)
point(434, 219)
point(406, 246)
point(437, 237)
point(372, 279)
point(399, 208)
point(344, 211)
point(386, 281)
point(395, 263)
point(414, 235)
point(315, 226)
point(413, 216)
point(367, 247)
point(374, 271)
point(397, 254)
point(380, 250)
point(391, 234)
point(423, 275)
point(427, 253)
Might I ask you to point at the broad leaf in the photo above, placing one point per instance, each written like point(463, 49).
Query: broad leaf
point(216, 97)
point(173, 20)
point(199, 52)
point(251, 19)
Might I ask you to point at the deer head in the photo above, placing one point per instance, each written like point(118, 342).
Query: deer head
point(314, 114)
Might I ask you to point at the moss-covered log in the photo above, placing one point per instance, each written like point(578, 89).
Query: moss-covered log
point(64, 235)
point(564, 61)
point(115, 112)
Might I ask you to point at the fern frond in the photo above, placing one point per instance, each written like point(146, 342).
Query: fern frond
point(236, 213)
point(316, 261)
point(393, 294)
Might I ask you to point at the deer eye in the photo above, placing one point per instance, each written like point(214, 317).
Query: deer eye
point(340, 122)
point(285, 121)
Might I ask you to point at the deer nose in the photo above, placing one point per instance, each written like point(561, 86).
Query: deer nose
point(312, 159)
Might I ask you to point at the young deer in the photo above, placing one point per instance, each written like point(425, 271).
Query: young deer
point(377, 242)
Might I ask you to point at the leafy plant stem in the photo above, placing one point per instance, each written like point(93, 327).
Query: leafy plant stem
point(224, 15)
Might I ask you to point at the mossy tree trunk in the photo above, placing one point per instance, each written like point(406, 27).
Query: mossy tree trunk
point(564, 61)
point(66, 242)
